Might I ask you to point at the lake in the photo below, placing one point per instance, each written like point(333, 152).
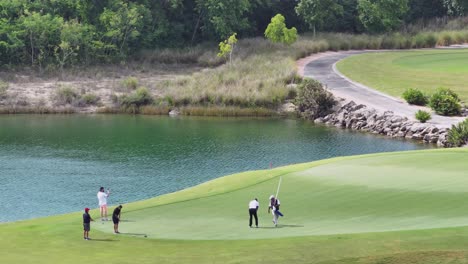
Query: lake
point(54, 164)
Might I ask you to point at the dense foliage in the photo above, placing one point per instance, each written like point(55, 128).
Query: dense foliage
point(53, 33)
point(458, 134)
point(445, 102)
point(277, 31)
point(314, 100)
point(422, 116)
point(415, 96)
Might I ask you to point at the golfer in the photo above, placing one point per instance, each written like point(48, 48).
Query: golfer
point(253, 208)
point(116, 218)
point(274, 206)
point(86, 224)
point(102, 198)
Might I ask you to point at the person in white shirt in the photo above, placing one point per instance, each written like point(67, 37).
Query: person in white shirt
point(253, 208)
point(102, 198)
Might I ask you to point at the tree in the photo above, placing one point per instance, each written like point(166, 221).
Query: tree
point(278, 32)
point(72, 37)
point(425, 10)
point(319, 14)
point(11, 42)
point(227, 47)
point(456, 7)
point(41, 34)
point(222, 17)
point(379, 16)
point(122, 24)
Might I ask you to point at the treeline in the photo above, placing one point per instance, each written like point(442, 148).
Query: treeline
point(64, 32)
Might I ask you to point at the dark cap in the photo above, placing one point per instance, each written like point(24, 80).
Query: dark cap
point(86, 209)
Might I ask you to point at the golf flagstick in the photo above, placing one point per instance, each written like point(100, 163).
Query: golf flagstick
point(279, 184)
point(276, 197)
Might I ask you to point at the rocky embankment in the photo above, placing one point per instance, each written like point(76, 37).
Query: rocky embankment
point(360, 117)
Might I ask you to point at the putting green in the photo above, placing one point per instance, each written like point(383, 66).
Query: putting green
point(394, 72)
point(407, 207)
point(404, 191)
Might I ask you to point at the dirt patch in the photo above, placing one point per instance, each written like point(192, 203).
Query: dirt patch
point(33, 90)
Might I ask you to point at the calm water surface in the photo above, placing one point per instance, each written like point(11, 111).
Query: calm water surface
point(55, 164)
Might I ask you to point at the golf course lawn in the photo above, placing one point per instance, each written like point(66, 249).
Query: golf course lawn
point(395, 71)
point(405, 207)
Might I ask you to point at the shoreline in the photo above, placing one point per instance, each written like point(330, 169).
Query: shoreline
point(363, 108)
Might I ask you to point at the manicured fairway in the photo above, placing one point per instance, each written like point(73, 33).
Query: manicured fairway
point(381, 208)
point(394, 72)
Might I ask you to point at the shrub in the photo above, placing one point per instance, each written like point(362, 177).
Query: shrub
point(414, 96)
point(3, 89)
point(423, 116)
point(65, 95)
point(314, 100)
point(445, 102)
point(90, 99)
point(131, 83)
point(445, 39)
point(458, 134)
point(140, 97)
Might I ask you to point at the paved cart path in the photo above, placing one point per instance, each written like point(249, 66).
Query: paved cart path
point(322, 68)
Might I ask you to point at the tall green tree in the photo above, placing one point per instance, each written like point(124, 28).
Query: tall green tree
point(73, 36)
point(379, 16)
point(41, 33)
point(223, 17)
point(456, 7)
point(11, 42)
point(277, 31)
point(122, 24)
point(425, 10)
point(319, 14)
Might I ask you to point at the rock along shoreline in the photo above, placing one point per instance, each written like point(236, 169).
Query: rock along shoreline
point(359, 117)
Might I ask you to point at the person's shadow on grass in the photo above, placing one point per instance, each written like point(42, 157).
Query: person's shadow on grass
point(103, 240)
point(280, 226)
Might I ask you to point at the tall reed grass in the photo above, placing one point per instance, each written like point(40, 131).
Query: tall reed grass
point(263, 75)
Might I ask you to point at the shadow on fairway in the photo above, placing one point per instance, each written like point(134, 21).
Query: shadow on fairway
point(279, 226)
point(126, 220)
point(103, 240)
point(132, 234)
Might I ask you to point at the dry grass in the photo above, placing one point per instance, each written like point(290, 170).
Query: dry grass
point(258, 77)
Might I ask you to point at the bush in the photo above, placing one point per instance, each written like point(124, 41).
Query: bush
point(90, 99)
point(423, 116)
point(131, 83)
point(140, 97)
point(3, 89)
point(314, 100)
point(458, 134)
point(445, 102)
point(414, 96)
point(65, 95)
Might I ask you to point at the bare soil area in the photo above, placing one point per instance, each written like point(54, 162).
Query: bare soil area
point(31, 89)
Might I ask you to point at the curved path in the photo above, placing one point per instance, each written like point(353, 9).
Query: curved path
point(321, 67)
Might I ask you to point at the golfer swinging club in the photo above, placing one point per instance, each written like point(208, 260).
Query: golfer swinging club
point(274, 206)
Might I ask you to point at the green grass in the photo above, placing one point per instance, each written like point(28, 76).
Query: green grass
point(394, 72)
point(383, 208)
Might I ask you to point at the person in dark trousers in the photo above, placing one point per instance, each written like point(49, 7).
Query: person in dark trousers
point(253, 208)
point(116, 218)
point(86, 224)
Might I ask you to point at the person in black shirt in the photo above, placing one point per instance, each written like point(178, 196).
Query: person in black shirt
point(116, 218)
point(86, 224)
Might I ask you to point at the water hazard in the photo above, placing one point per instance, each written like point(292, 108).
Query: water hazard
point(55, 164)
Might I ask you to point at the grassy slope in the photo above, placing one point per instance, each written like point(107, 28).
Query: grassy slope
point(412, 191)
point(394, 72)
